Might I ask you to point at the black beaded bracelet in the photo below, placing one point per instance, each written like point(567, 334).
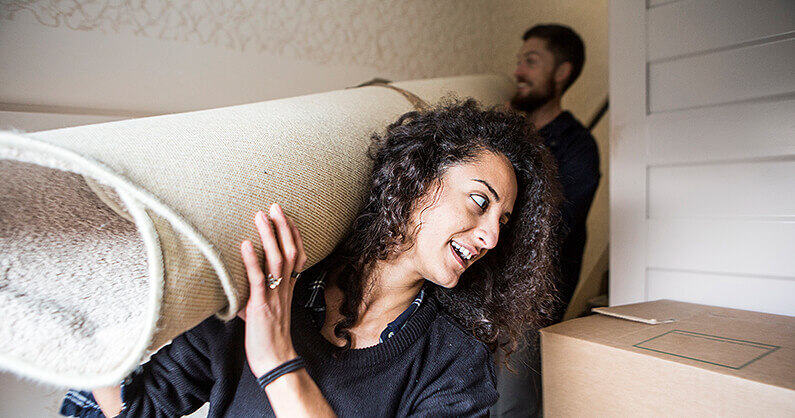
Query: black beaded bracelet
point(281, 370)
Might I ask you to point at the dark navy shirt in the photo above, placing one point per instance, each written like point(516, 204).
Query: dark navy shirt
point(316, 302)
point(578, 171)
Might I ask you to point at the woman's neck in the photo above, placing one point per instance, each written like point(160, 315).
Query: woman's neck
point(387, 292)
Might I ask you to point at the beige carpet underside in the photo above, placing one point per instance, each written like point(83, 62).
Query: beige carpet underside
point(59, 248)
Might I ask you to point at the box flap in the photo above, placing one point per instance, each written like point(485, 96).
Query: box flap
point(748, 345)
point(696, 360)
point(658, 312)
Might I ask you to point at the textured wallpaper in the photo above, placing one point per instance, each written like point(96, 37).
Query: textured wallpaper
point(413, 38)
point(73, 59)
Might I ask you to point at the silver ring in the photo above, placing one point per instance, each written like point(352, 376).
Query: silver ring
point(295, 275)
point(273, 282)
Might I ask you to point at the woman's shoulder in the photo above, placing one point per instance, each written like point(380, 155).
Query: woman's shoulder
point(456, 338)
point(212, 334)
point(460, 366)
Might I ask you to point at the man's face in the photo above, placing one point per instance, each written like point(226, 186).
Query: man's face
point(535, 69)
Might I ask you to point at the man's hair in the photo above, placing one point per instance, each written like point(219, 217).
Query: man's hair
point(565, 45)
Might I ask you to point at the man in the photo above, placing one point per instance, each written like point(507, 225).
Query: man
point(549, 62)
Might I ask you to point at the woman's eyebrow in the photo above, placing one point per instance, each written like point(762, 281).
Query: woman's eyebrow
point(491, 189)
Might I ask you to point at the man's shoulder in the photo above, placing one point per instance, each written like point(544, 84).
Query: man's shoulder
point(567, 126)
point(566, 136)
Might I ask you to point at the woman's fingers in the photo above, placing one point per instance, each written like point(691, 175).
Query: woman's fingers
point(256, 278)
point(274, 260)
point(282, 243)
point(267, 314)
point(285, 237)
point(300, 260)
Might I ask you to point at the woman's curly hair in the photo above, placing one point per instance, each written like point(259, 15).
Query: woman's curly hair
point(510, 289)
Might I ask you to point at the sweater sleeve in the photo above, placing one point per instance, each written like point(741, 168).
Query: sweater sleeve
point(462, 386)
point(178, 379)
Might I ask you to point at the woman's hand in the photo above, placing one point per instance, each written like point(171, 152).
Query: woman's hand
point(267, 316)
point(267, 313)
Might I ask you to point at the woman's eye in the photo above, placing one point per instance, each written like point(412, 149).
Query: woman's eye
point(481, 201)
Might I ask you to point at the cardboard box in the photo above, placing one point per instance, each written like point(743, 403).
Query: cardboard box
point(667, 358)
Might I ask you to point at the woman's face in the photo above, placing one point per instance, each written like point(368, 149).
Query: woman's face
point(460, 222)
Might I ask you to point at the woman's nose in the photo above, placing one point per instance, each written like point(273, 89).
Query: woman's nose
point(488, 234)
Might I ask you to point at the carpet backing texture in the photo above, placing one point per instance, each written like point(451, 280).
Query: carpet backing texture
point(117, 237)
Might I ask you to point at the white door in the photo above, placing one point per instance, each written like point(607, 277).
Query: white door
point(702, 152)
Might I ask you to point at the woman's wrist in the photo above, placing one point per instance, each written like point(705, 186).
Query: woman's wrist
point(109, 400)
point(269, 360)
point(282, 369)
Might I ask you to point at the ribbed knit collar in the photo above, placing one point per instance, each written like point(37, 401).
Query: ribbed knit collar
point(312, 340)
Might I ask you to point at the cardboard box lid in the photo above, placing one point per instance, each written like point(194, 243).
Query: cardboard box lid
point(748, 345)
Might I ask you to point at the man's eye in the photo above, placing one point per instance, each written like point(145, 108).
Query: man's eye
point(480, 201)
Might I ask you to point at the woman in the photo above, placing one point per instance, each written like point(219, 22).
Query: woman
point(451, 254)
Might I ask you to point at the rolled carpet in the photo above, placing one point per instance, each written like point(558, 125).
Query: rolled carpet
point(117, 237)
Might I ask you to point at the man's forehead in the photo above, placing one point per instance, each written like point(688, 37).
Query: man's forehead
point(534, 46)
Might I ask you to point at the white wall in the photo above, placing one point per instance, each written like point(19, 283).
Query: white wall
point(77, 62)
point(134, 58)
point(703, 152)
point(72, 63)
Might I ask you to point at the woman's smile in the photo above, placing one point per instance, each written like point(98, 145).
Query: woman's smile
point(462, 254)
point(473, 201)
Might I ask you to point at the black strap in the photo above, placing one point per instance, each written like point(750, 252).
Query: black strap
point(281, 370)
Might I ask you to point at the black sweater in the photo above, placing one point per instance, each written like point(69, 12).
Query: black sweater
point(431, 367)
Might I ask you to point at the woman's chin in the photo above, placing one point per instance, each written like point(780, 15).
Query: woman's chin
point(447, 282)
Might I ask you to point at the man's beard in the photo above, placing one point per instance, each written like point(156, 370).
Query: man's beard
point(534, 99)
